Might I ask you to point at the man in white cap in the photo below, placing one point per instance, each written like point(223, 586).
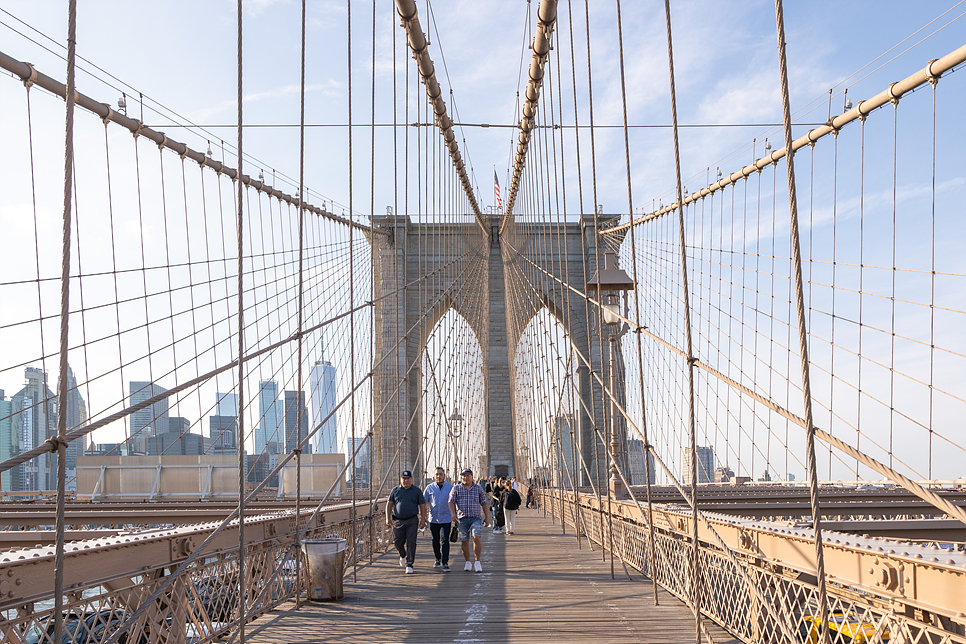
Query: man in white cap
point(467, 502)
point(406, 515)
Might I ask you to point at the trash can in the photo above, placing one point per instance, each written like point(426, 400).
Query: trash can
point(326, 561)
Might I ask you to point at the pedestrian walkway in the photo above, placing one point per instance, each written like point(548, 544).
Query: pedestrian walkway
point(536, 587)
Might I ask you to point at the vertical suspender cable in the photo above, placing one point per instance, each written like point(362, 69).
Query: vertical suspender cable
point(601, 478)
point(637, 313)
point(59, 444)
point(695, 579)
point(372, 281)
point(802, 330)
point(299, 400)
point(352, 282)
point(240, 424)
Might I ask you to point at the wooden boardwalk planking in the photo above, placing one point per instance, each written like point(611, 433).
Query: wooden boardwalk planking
point(536, 587)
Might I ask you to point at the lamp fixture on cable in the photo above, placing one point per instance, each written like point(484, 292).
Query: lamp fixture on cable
point(611, 285)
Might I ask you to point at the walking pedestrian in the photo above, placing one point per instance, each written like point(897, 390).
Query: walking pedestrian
point(511, 503)
point(467, 502)
point(406, 515)
point(440, 518)
point(530, 497)
point(499, 519)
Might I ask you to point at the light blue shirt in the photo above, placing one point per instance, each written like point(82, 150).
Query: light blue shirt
point(438, 499)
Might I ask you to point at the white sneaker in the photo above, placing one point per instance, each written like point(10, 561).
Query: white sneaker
point(409, 570)
point(402, 561)
point(477, 567)
point(468, 567)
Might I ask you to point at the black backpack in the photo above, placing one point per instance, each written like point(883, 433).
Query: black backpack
point(512, 500)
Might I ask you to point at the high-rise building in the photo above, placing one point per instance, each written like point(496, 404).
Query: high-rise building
point(635, 463)
point(226, 404)
point(76, 412)
point(294, 407)
point(705, 464)
point(323, 392)
point(150, 421)
point(179, 425)
point(267, 429)
point(358, 474)
point(223, 434)
point(6, 439)
point(33, 421)
point(175, 443)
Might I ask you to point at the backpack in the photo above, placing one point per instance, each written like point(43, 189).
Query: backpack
point(512, 500)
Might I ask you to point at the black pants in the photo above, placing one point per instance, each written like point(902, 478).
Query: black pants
point(404, 533)
point(440, 541)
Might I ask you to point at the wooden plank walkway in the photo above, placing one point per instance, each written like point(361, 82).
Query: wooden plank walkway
point(536, 587)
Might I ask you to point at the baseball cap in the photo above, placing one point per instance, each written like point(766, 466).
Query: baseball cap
point(466, 470)
point(406, 474)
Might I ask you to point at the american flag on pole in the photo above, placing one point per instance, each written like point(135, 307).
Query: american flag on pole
point(496, 191)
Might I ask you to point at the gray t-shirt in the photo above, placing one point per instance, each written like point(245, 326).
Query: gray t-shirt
point(406, 502)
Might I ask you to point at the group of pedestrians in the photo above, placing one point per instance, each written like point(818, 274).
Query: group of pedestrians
point(409, 508)
point(504, 497)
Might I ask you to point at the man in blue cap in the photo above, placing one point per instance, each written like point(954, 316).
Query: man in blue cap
point(406, 515)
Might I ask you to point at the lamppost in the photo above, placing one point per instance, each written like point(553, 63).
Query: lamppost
point(454, 427)
point(611, 285)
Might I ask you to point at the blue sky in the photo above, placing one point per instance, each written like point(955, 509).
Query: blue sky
point(181, 55)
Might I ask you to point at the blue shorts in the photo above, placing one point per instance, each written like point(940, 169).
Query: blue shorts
point(470, 526)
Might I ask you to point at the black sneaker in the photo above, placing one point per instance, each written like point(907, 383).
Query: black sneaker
point(437, 564)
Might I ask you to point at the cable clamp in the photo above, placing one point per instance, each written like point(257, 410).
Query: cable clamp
point(32, 78)
point(139, 129)
point(110, 115)
point(932, 77)
point(297, 451)
point(164, 141)
point(692, 360)
point(892, 96)
point(54, 443)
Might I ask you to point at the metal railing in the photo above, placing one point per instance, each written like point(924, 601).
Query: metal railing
point(200, 606)
point(781, 601)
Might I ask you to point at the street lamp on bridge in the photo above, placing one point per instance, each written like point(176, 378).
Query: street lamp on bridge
point(611, 285)
point(454, 427)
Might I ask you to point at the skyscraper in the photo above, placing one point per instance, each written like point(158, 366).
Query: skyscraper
point(6, 438)
point(635, 463)
point(267, 428)
point(34, 420)
point(223, 434)
point(323, 391)
point(705, 464)
point(76, 411)
point(359, 467)
point(295, 405)
point(226, 404)
point(150, 421)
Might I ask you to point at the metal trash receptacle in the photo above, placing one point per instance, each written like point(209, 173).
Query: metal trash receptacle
point(326, 562)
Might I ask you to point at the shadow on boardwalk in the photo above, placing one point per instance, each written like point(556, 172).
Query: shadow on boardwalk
point(536, 586)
